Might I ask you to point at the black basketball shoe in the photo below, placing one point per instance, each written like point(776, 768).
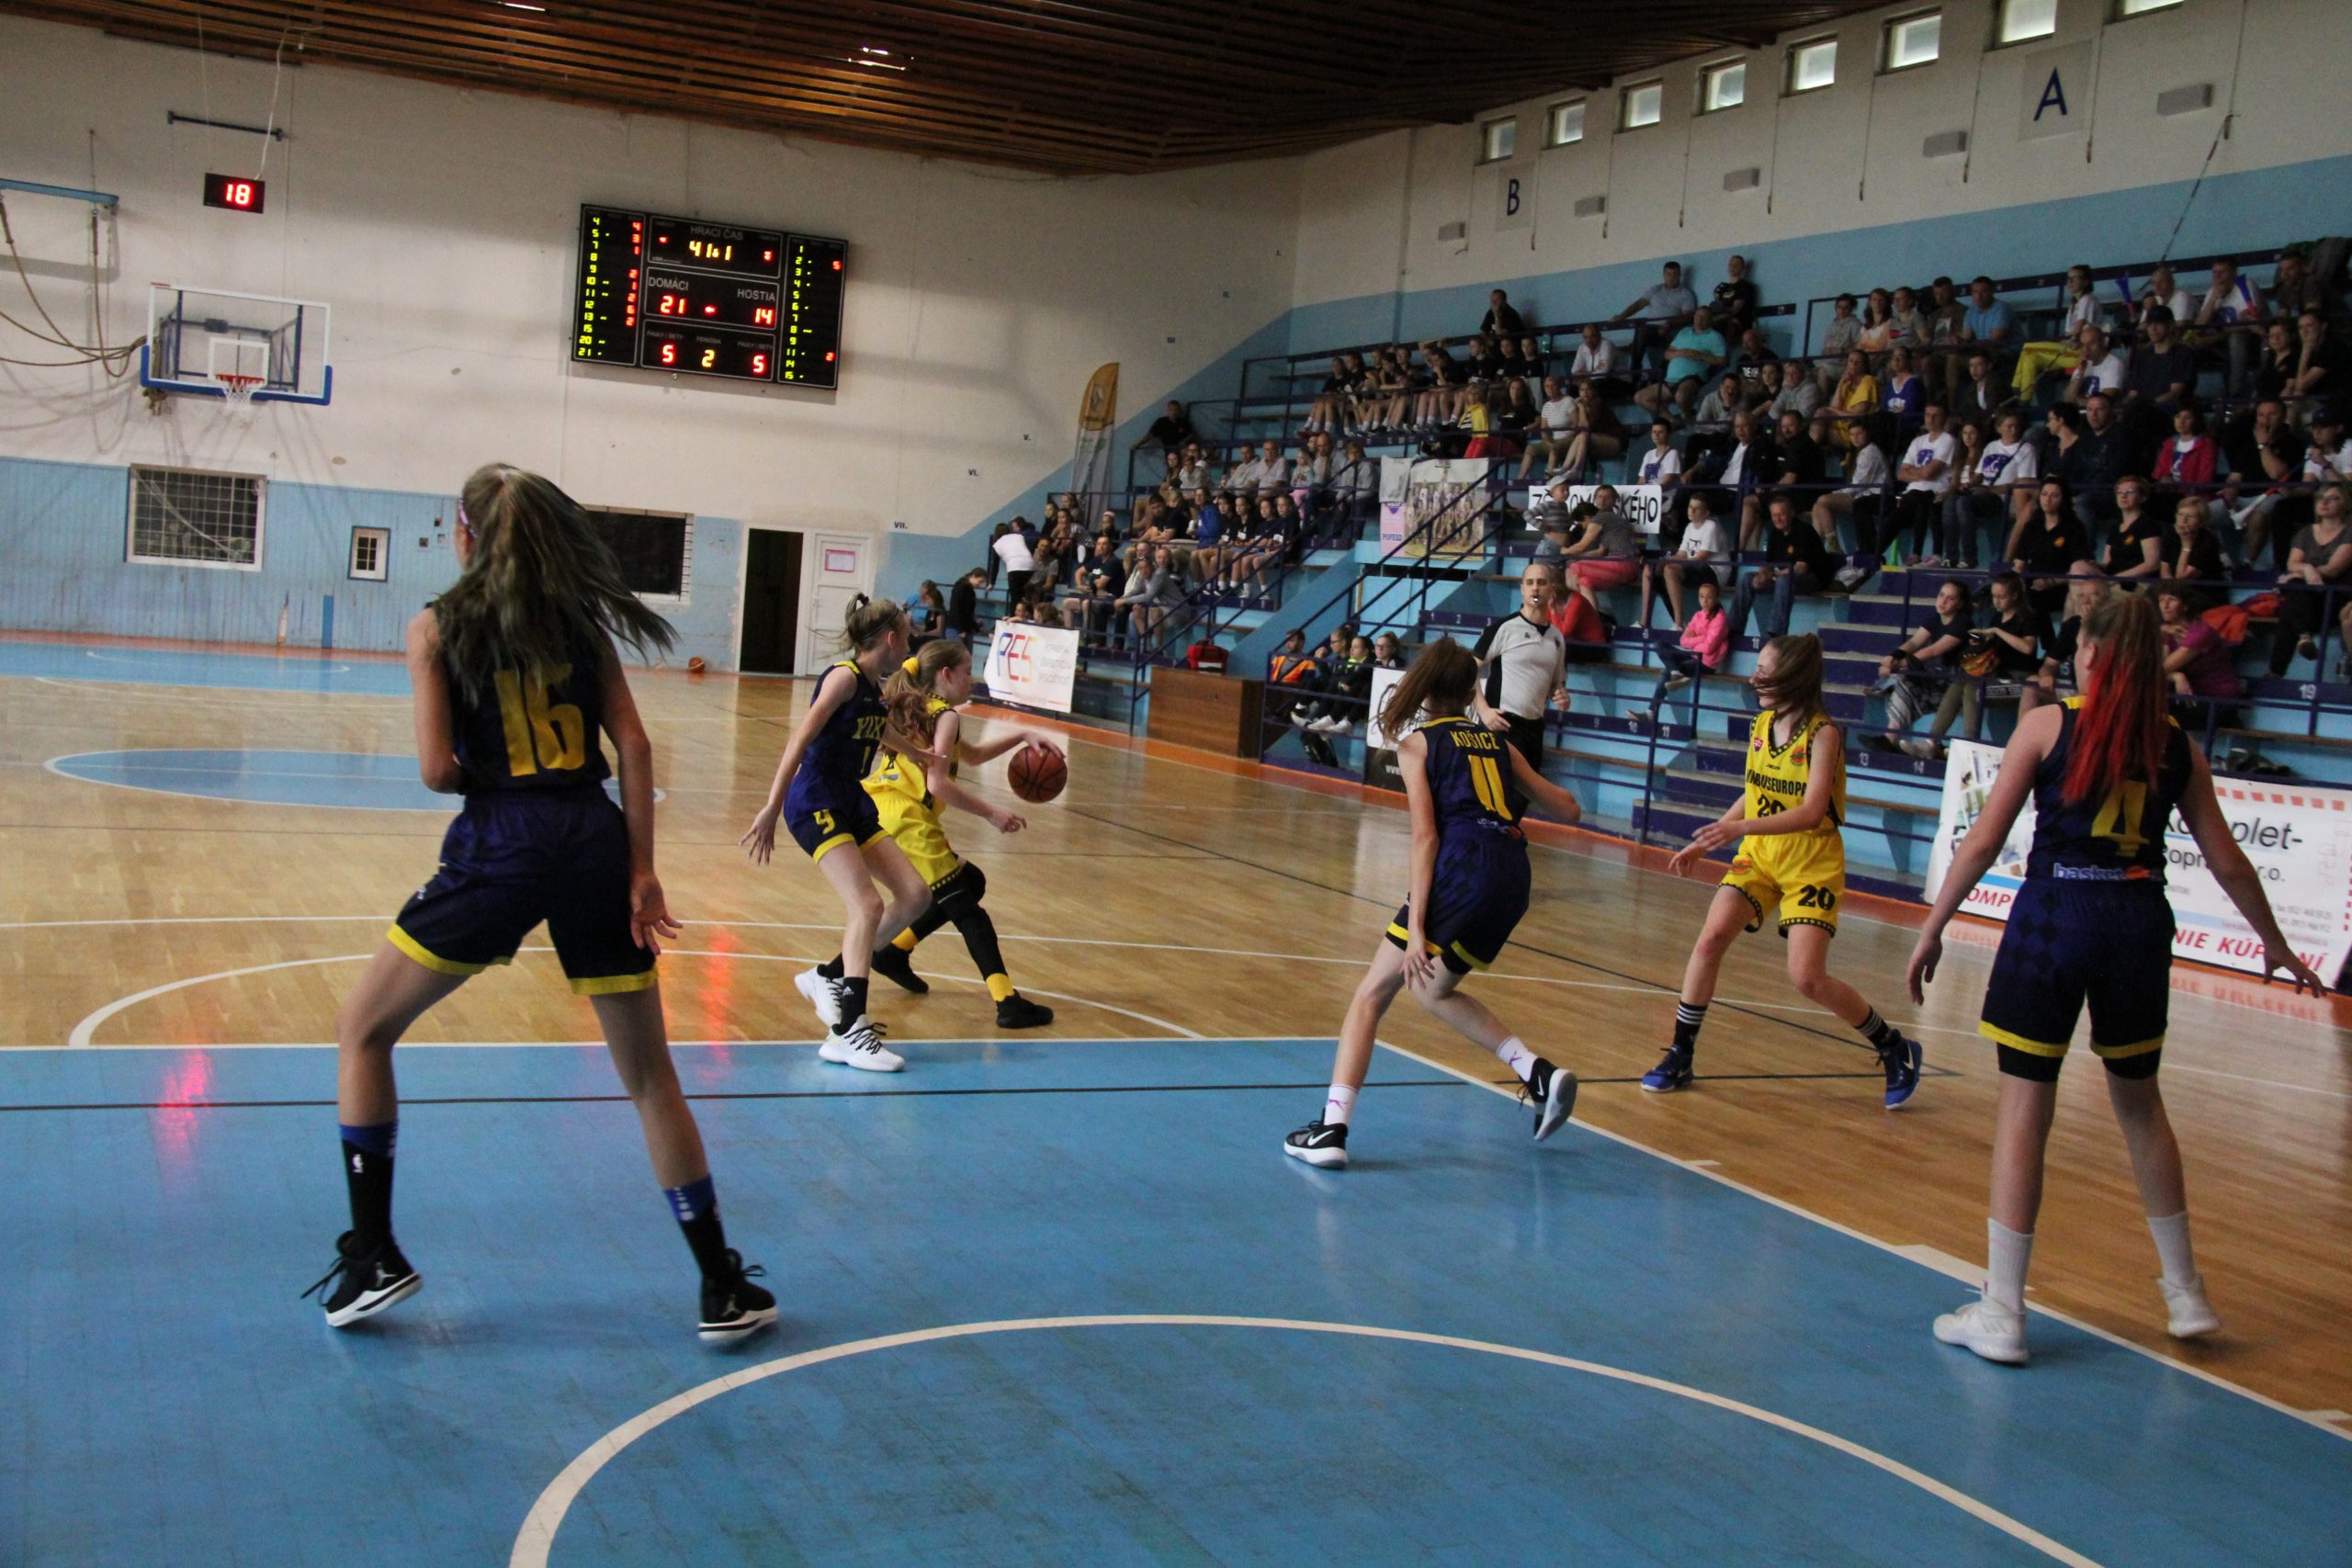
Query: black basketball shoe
point(1554, 1090)
point(731, 1306)
point(893, 964)
point(1017, 1012)
point(1319, 1144)
point(366, 1279)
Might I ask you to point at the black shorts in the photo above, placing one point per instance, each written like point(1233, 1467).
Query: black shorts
point(2068, 942)
point(819, 830)
point(512, 861)
point(1526, 737)
point(1478, 894)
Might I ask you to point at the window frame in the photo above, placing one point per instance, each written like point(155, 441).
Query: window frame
point(381, 538)
point(1552, 137)
point(1886, 66)
point(1507, 124)
point(2001, 23)
point(1709, 74)
point(2147, 8)
point(685, 520)
point(130, 518)
point(1625, 103)
point(1789, 88)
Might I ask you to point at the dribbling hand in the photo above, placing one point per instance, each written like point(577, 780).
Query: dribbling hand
point(649, 921)
point(1008, 821)
point(760, 839)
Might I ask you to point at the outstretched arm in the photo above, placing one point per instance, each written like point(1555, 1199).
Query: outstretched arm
point(833, 691)
point(1562, 804)
point(2237, 876)
point(2035, 734)
point(437, 750)
point(941, 781)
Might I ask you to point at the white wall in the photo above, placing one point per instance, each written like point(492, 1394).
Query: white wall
point(1846, 157)
point(440, 224)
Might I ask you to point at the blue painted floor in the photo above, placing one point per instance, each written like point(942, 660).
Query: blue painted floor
point(172, 1402)
point(361, 781)
point(296, 672)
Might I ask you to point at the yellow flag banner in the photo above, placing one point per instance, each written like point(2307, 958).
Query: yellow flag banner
point(1090, 469)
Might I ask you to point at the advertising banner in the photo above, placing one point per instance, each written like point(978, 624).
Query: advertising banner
point(1414, 490)
point(1642, 505)
point(1379, 746)
point(1036, 666)
point(2298, 836)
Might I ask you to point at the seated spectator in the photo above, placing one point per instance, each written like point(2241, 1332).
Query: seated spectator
point(2193, 554)
point(1926, 475)
point(1902, 392)
point(2188, 458)
point(1855, 396)
point(1785, 391)
point(1553, 431)
point(1704, 556)
point(2280, 351)
point(2087, 454)
point(1582, 627)
point(1389, 404)
point(1351, 685)
point(1518, 418)
point(2199, 663)
point(1878, 327)
point(1357, 484)
point(2015, 638)
point(928, 610)
point(1862, 498)
point(1754, 354)
point(1519, 364)
point(1208, 532)
point(1923, 672)
point(1752, 462)
point(1087, 605)
point(2162, 290)
point(1734, 299)
point(1801, 467)
point(1273, 472)
point(1715, 412)
point(2099, 367)
point(1661, 465)
point(1597, 359)
point(1171, 429)
point(2327, 457)
point(2135, 541)
point(1706, 638)
point(2163, 369)
point(1446, 388)
point(2297, 289)
point(1328, 410)
point(2228, 325)
point(1910, 327)
point(1194, 470)
point(2065, 352)
point(1971, 501)
point(1840, 338)
point(1697, 351)
point(1485, 360)
point(1385, 653)
point(1292, 673)
point(2265, 455)
point(1795, 561)
point(1946, 363)
point(1980, 397)
point(2322, 370)
point(1478, 422)
point(1606, 552)
point(2084, 589)
point(2319, 569)
point(1310, 474)
point(2044, 546)
point(1502, 318)
point(1662, 312)
point(1988, 321)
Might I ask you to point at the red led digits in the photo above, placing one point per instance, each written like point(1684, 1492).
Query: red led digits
point(669, 354)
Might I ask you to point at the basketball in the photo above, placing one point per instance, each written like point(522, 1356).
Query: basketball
point(1036, 774)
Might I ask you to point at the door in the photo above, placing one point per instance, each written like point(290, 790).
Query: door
point(841, 566)
point(771, 604)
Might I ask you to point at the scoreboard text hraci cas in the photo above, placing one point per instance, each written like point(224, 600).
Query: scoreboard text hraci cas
point(676, 294)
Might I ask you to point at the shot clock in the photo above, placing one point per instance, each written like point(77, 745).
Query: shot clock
point(695, 298)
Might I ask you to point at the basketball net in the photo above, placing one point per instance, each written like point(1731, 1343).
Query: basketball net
point(238, 390)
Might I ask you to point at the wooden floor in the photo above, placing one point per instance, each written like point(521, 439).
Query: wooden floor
point(1166, 894)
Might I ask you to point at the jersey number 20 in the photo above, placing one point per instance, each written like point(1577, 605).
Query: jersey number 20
point(539, 733)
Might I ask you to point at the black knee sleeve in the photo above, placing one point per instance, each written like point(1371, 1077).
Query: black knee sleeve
point(959, 893)
point(2030, 1065)
point(2142, 1065)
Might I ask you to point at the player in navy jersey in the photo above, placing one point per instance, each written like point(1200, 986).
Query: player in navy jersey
point(515, 678)
point(1469, 888)
point(2106, 772)
point(820, 798)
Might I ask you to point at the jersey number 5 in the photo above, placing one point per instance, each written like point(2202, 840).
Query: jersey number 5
point(539, 735)
point(2121, 816)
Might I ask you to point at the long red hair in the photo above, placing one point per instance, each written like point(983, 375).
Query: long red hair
point(2120, 732)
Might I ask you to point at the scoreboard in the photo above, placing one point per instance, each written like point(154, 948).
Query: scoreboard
point(697, 299)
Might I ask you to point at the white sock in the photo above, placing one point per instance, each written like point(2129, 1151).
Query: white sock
point(1517, 1056)
point(2172, 1247)
point(1338, 1105)
point(2007, 1252)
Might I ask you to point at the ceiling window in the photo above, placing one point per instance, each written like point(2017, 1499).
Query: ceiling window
point(1813, 65)
point(1914, 40)
point(1498, 141)
point(2141, 8)
point(1642, 105)
point(1565, 124)
point(1723, 86)
point(2024, 19)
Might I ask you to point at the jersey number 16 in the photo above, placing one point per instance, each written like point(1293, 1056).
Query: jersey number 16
point(540, 734)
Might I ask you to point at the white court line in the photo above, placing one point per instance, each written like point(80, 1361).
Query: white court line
point(537, 1538)
point(437, 809)
point(310, 666)
point(1906, 1253)
point(79, 1039)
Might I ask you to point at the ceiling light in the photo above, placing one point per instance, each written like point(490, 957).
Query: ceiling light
point(519, 5)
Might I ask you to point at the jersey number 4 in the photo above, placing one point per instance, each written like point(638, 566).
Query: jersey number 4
point(540, 734)
point(1487, 780)
point(2121, 816)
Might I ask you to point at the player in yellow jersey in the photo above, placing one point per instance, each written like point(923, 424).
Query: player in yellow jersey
point(922, 697)
point(1791, 860)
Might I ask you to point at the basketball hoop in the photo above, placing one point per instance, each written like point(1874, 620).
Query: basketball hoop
point(238, 390)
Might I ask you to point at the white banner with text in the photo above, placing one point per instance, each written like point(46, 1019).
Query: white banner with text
point(1642, 505)
point(1036, 666)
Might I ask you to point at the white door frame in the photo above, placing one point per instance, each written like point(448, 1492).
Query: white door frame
point(811, 569)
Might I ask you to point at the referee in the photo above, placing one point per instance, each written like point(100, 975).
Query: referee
point(1526, 663)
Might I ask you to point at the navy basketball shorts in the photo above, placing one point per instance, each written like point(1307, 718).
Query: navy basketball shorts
point(819, 830)
point(1478, 892)
point(2107, 944)
point(512, 861)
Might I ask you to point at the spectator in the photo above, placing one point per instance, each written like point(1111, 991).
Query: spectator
point(1163, 597)
point(2319, 571)
point(2084, 589)
point(2089, 456)
point(1663, 312)
point(1922, 674)
point(1705, 556)
point(1980, 397)
point(1607, 552)
point(1706, 640)
point(2044, 546)
point(2161, 289)
point(1310, 476)
point(2265, 454)
point(1242, 479)
point(1946, 363)
point(1803, 468)
point(929, 610)
point(2297, 289)
point(1717, 409)
point(2163, 369)
point(1856, 397)
point(1795, 561)
point(1330, 408)
point(1989, 321)
point(2187, 459)
point(1350, 689)
point(963, 621)
point(1993, 486)
point(1526, 665)
point(2322, 369)
point(1554, 430)
point(2014, 641)
point(2197, 661)
point(2099, 367)
point(2282, 348)
point(2229, 324)
point(1840, 338)
point(1734, 300)
point(1698, 352)
point(1016, 552)
point(1754, 354)
point(1502, 318)
point(1547, 513)
point(1517, 367)
point(1446, 389)
point(1862, 497)
point(1519, 419)
point(1053, 555)
point(1274, 473)
point(2327, 457)
point(1171, 429)
point(1754, 460)
point(1195, 472)
point(1291, 673)
point(1208, 531)
point(1925, 473)
point(1903, 393)
point(2135, 541)
point(1385, 654)
point(1910, 326)
point(1358, 481)
point(1661, 465)
point(2193, 554)
point(1786, 391)
point(1583, 629)
point(1597, 359)
point(1878, 327)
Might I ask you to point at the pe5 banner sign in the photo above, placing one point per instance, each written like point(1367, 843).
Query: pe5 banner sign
point(1034, 666)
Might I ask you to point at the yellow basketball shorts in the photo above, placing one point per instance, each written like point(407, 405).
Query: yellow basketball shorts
point(1802, 873)
point(915, 827)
